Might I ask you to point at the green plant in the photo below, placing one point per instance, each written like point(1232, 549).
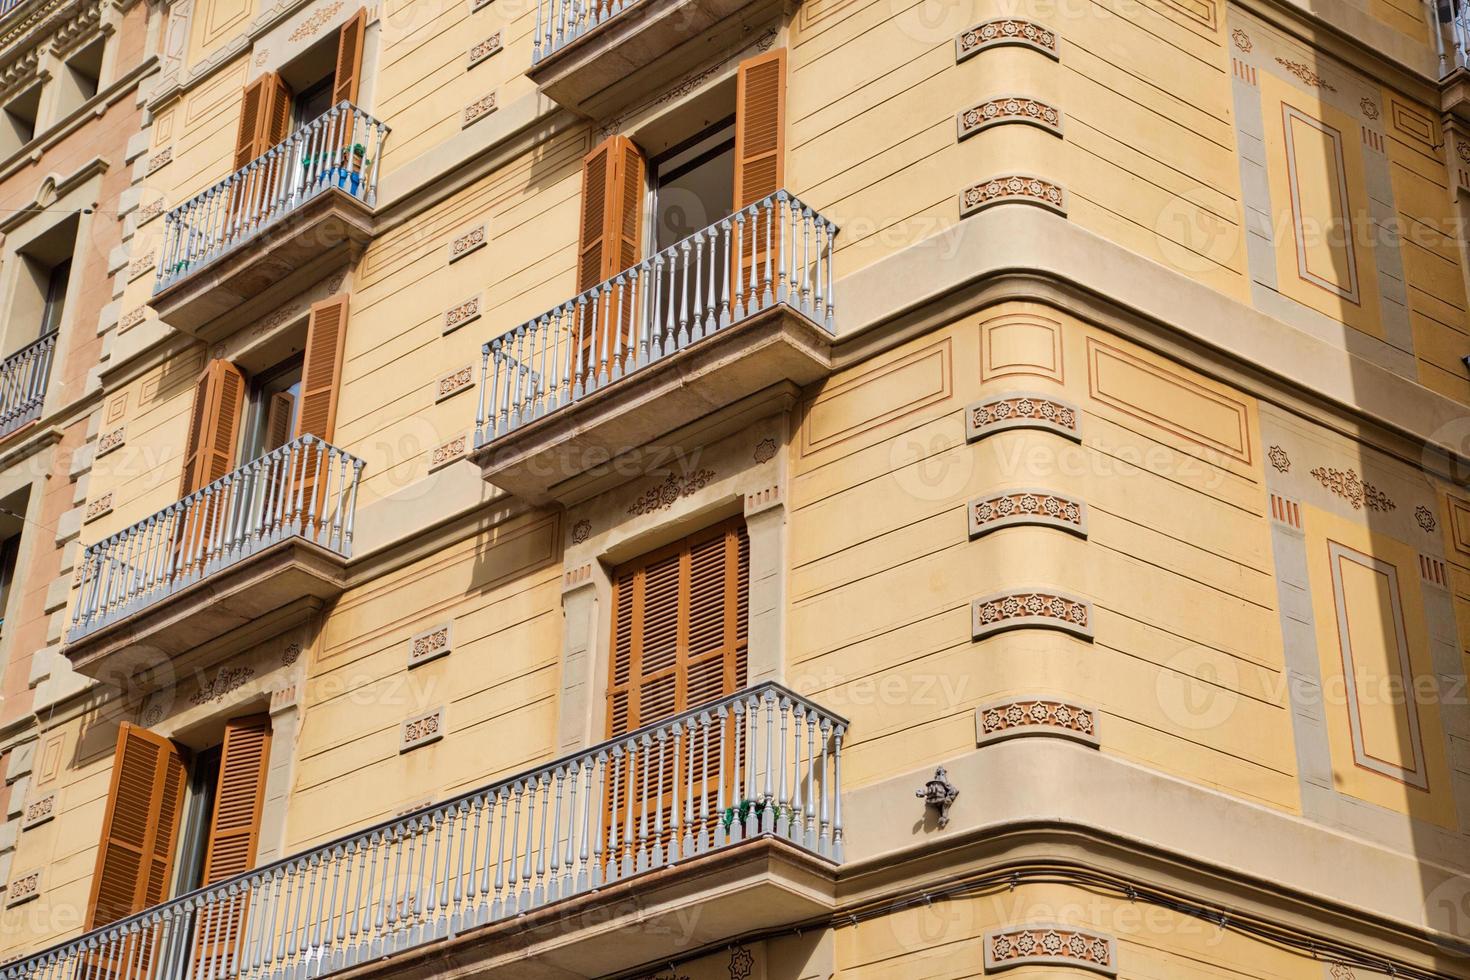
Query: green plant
point(744, 807)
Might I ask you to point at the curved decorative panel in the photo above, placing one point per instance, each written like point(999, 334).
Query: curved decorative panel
point(1022, 410)
point(1009, 109)
point(1026, 506)
point(1051, 945)
point(1030, 609)
point(1005, 30)
point(1047, 717)
point(1013, 189)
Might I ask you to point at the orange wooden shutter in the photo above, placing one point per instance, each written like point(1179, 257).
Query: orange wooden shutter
point(276, 121)
point(614, 177)
point(139, 828)
point(760, 127)
point(253, 106)
point(214, 425)
point(679, 640)
point(278, 420)
point(235, 828)
point(760, 162)
point(234, 832)
point(349, 58)
point(321, 374)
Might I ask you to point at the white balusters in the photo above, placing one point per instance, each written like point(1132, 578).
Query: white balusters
point(342, 149)
point(775, 251)
point(687, 786)
point(307, 487)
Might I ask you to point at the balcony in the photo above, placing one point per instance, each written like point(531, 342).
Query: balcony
point(686, 334)
point(23, 377)
point(261, 547)
point(736, 826)
point(275, 226)
point(596, 56)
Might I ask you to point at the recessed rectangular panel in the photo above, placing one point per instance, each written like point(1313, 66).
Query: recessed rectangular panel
point(1378, 679)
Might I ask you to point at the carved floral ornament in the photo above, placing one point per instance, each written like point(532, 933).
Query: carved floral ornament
point(1058, 945)
point(1009, 109)
point(1038, 609)
point(1013, 189)
point(1035, 507)
point(1022, 411)
point(665, 494)
point(1006, 30)
point(1035, 716)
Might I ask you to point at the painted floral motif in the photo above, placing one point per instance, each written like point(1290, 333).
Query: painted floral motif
point(742, 962)
point(1351, 487)
point(1306, 74)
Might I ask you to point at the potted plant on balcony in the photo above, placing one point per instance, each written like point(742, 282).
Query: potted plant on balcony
point(741, 811)
point(352, 163)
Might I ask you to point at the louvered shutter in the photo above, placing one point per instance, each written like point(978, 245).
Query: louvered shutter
point(234, 833)
point(349, 58)
point(322, 371)
point(760, 162)
point(679, 640)
point(276, 121)
point(614, 179)
point(235, 828)
point(253, 106)
point(139, 828)
point(214, 431)
point(321, 376)
point(278, 420)
point(222, 437)
point(198, 422)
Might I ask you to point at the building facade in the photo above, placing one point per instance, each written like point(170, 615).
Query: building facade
point(715, 488)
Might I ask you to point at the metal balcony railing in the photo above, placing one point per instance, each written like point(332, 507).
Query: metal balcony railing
point(776, 251)
point(341, 148)
point(764, 762)
point(306, 488)
point(23, 377)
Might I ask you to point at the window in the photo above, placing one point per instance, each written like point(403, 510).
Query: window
point(57, 279)
point(18, 125)
point(312, 102)
point(9, 552)
point(679, 627)
point(693, 185)
point(176, 822)
point(43, 277)
point(270, 415)
point(198, 812)
point(80, 78)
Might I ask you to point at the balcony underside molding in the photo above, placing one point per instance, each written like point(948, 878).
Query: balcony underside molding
point(327, 231)
point(642, 49)
point(653, 917)
point(556, 458)
point(258, 596)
